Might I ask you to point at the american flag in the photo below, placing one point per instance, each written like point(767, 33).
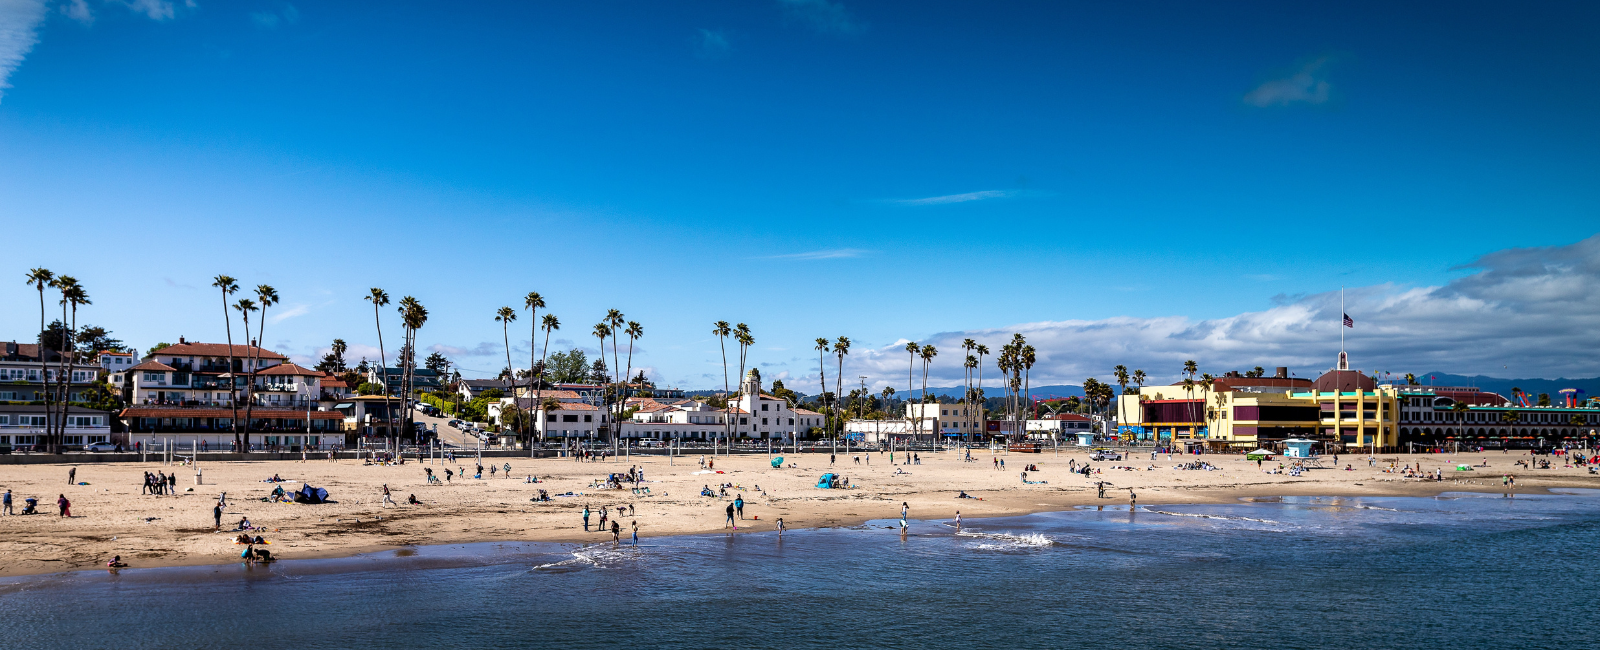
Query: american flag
point(1348, 322)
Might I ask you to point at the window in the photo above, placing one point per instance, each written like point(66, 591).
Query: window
point(763, 420)
point(791, 420)
point(569, 418)
point(588, 418)
point(764, 406)
point(944, 411)
point(744, 420)
point(5, 419)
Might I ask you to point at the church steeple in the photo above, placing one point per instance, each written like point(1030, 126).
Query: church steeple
point(751, 386)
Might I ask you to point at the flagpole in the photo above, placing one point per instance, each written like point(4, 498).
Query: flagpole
point(1341, 319)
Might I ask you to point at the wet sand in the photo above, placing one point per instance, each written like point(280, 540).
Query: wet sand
point(111, 517)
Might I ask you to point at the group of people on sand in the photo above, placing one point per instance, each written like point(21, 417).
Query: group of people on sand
point(616, 526)
point(159, 483)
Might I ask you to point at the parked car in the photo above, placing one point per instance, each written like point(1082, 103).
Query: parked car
point(100, 446)
point(1105, 454)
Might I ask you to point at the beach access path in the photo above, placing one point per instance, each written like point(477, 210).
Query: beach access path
point(111, 517)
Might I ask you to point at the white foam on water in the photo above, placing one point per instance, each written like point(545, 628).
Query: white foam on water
point(1224, 517)
point(597, 557)
point(1007, 541)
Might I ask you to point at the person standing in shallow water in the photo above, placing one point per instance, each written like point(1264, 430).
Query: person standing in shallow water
point(616, 532)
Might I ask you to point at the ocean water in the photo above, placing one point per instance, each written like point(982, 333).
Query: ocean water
point(1458, 571)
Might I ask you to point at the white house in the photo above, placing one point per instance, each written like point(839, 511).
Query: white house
point(24, 424)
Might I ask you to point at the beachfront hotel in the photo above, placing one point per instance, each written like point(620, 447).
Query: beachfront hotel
point(1343, 406)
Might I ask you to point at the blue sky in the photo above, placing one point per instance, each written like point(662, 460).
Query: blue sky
point(883, 171)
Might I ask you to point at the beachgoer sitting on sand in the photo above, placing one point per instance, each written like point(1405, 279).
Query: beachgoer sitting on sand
point(963, 495)
point(115, 563)
point(244, 524)
point(412, 500)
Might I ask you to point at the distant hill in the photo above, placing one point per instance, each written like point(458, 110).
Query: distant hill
point(1590, 386)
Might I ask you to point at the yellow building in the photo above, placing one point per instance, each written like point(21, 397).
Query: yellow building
point(1341, 406)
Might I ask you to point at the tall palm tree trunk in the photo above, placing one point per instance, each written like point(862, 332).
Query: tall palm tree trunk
point(44, 366)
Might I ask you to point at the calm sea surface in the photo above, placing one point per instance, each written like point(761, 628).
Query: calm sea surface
point(1459, 571)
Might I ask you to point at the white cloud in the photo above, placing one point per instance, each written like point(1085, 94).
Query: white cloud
point(154, 9)
point(958, 198)
point(822, 15)
point(711, 44)
point(271, 19)
point(78, 10)
point(1526, 312)
point(20, 19)
point(828, 254)
point(290, 312)
point(480, 350)
point(1305, 86)
point(19, 31)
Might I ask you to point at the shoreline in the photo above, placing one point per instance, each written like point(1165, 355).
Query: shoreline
point(153, 532)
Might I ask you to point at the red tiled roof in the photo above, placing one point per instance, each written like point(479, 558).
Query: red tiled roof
point(289, 369)
point(806, 412)
point(266, 413)
point(240, 350)
point(151, 365)
point(558, 394)
point(328, 382)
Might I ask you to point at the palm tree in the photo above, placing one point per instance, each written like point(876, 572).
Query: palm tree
point(928, 353)
point(244, 307)
point(1028, 359)
point(505, 316)
point(822, 375)
point(970, 397)
point(1138, 378)
point(614, 323)
point(73, 295)
point(1460, 409)
point(634, 331)
point(741, 335)
point(228, 285)
point(601, 331)
point(62, 284)
point(268, 297)
point(551, 323)
point(379, 298)
point(533, 303)
point(721, 330)
point(982, 350)
point(1190, 368)
point(841, 347)
point(1411, 380)
point(40, 278)
point(966, 377)
point(1208, 383)
point(914, 412)
point(412, 316)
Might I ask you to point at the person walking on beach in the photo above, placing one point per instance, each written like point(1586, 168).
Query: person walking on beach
point(386, 500)
point(905, 507)
point(738, 505)
point(636, 532)
point(1101, 486)
point(616, 533)
point(72, 476)
point(605, 513)
point(780, 527)
point(730, 521)
point(996, 460)
point(958, 521)
point(448, 474)
point(5, 507)
point(831, 458)
point(64, 505)
point(216, 515)
point(172, 483)
point(586, 518)
point(1133, 500)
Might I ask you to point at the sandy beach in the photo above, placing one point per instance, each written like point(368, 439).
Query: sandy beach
point(111, 517)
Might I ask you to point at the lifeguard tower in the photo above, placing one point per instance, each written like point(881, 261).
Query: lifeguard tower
point(1299, 451)
point(1085, 439)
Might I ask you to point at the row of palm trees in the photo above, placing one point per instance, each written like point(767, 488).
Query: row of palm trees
point(58, 394)
point(266, 297)
point(413, 315)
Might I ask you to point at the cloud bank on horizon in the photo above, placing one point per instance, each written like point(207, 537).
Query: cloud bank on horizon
point(1523, 312)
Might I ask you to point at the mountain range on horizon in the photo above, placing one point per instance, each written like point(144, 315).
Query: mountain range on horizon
point(1590, 386)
